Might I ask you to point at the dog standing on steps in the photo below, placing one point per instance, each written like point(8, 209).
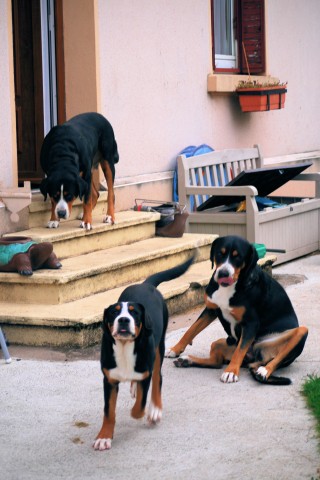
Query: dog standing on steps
point(69, 154)
point(132, 349)
point(254, 310)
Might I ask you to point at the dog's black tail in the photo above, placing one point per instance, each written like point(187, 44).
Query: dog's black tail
point(272, 380)
point(170, 274)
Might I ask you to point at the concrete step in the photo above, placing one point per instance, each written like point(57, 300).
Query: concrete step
point(91, 273)
point(70, 240)
point(78, 323)
point(65, 307)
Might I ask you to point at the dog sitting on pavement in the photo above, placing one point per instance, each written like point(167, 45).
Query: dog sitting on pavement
point(256, 313)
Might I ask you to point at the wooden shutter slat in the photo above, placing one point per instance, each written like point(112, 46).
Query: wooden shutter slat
point(252, 35)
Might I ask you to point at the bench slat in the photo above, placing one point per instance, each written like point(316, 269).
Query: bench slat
point(223, 156)
point(214, 169)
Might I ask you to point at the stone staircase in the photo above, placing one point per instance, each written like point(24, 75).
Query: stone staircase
point(65, 307)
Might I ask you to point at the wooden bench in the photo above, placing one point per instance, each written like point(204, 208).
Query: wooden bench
point(293, 228)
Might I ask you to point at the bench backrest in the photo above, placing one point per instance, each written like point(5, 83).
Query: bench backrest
point(215, 169)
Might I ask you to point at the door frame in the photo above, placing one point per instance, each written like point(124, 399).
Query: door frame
point(53, 71)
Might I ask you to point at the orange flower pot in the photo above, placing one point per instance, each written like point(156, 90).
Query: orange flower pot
point(262, 99)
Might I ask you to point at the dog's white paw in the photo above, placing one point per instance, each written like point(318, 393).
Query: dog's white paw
point(262, 372)
point(169, 353)
point(108, 220)
point(86, 226)
point(229, 377)
point(53, 224)
point(133, 389)
point(154, 414)
point(102, 444)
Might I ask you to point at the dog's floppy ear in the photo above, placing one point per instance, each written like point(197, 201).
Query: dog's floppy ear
point(44, 188)
point(105, 320)
point(251, 259)
point(212, 251)
point(145, 320)
point(147, 324)
point(83, 188)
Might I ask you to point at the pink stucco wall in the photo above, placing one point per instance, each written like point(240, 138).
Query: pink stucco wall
point(154, 62)
point(153, 59)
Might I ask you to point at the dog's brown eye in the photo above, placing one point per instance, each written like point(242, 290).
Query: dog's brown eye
point(223, 251)
point(118, 307)
point(235, 253)
point(131, 308)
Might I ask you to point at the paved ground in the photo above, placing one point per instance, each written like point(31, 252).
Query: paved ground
point(51, 409)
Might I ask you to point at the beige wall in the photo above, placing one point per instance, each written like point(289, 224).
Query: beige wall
point(154, 60)
point(81, 64)
point(8, 155)
point(294, 40)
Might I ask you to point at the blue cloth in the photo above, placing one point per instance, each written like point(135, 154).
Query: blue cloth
point(190, 151)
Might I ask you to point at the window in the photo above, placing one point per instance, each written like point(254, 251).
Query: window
point(225, 43)
point(238, 36)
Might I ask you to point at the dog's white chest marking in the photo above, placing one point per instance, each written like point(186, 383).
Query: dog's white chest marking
point(125, 360)
point(221, 297)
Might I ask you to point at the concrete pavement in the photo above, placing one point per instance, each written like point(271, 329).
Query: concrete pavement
point(51, 411)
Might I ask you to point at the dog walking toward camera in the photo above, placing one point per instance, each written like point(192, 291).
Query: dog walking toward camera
point(69, 154)
point(256, 313)
point(132, 349)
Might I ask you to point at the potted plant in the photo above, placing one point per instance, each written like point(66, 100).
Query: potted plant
point(260, 97)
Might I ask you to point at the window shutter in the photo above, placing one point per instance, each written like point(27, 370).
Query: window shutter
point(252, 36)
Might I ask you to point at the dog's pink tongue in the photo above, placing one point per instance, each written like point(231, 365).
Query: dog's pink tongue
point(225, 281)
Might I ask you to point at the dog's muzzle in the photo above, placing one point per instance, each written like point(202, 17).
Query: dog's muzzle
point(124, 328)
point(224, 278)
point(62, 213)
point(62, 209)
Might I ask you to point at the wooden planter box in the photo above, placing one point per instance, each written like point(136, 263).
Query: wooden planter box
point(262, 99)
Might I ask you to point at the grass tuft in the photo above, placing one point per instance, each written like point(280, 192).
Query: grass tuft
point(311, 391)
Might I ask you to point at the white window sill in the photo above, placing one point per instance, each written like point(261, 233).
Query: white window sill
point(227, 83)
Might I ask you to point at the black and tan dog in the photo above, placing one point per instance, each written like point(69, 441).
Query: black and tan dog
point(254, 310)
point(133, 349)
point(68, 156)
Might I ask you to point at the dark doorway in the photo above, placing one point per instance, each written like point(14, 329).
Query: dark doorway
point(29, 87)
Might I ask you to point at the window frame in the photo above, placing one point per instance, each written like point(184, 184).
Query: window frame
point(216, 68)
point(249, 24)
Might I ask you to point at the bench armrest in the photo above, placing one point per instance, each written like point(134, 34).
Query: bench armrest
point(247, 191)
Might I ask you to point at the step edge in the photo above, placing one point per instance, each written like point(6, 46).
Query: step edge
point(169, 290)
point(53, 278)
point(56, 235)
